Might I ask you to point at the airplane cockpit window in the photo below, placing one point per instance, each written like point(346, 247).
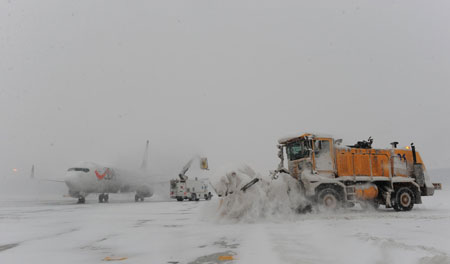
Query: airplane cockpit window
point(79, 169)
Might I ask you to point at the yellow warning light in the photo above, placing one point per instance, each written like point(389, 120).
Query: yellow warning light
point(204, 163)
point(407, 147)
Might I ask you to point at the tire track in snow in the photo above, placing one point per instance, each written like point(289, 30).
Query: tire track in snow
point(389, 243)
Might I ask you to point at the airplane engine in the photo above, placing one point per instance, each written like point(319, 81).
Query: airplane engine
point(144, 191)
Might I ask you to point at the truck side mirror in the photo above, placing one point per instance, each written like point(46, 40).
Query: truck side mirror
point(280, 154)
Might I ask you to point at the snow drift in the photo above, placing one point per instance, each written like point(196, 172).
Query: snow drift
point(266, 198)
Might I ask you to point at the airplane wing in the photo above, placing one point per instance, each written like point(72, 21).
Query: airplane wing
point(32, 176)
point(50, 180)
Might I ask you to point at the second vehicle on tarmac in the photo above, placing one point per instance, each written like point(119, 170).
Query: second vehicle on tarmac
point(192, 190)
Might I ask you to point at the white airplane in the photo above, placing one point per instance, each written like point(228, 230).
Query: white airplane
point(89, 177)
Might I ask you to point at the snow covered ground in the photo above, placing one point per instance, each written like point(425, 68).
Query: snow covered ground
point(53, 229)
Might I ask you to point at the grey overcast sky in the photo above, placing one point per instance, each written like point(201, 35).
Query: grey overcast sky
point(92, 80)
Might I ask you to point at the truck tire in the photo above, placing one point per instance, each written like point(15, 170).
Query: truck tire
point(329, 199)
point(180, 199)
point(193, 197)
point(81, 200)
point(138, 198)
point(403, 199)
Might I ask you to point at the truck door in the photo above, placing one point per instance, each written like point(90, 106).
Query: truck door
point(323, 158)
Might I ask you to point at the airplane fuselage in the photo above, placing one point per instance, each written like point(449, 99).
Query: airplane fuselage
point(88, 177)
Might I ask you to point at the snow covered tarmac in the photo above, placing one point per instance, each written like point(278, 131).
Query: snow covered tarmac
point(56, 230)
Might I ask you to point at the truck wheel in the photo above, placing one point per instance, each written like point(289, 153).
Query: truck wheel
point(193, 197)
point(81, 200)
point(180, 199)
point(303, 209)
point(136, 198)
point(100, 198)
point(403, 199)
point(329, 199)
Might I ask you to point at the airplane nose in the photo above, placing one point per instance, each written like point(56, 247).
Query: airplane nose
point(72, 181)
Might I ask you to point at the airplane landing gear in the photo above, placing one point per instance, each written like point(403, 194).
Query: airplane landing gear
point(81, 200)
point(138, 198)
point(103, 198)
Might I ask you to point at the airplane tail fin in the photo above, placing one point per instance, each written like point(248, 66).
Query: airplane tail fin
point(144, 165)
point(32, 172)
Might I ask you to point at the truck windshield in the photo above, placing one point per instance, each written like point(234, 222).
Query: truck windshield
point(173, 184)
point(297, 150)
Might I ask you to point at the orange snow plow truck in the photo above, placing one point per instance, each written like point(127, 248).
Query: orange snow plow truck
point(333, 175)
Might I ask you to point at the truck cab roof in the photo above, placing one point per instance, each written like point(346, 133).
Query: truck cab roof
point(287, 139)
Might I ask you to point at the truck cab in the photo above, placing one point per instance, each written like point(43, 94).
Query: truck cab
point(310, 152)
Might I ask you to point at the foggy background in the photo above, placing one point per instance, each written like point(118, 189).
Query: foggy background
point(93, 80)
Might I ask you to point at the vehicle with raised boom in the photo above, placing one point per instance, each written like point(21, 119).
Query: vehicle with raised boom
point(187, 189)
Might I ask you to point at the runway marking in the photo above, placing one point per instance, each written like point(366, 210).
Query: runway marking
point(224, 258)
point(114, 259)
point(216, 258)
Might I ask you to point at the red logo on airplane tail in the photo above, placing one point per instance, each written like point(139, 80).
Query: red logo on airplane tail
point(101, 176)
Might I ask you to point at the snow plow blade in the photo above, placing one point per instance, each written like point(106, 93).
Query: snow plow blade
point(249, 184)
